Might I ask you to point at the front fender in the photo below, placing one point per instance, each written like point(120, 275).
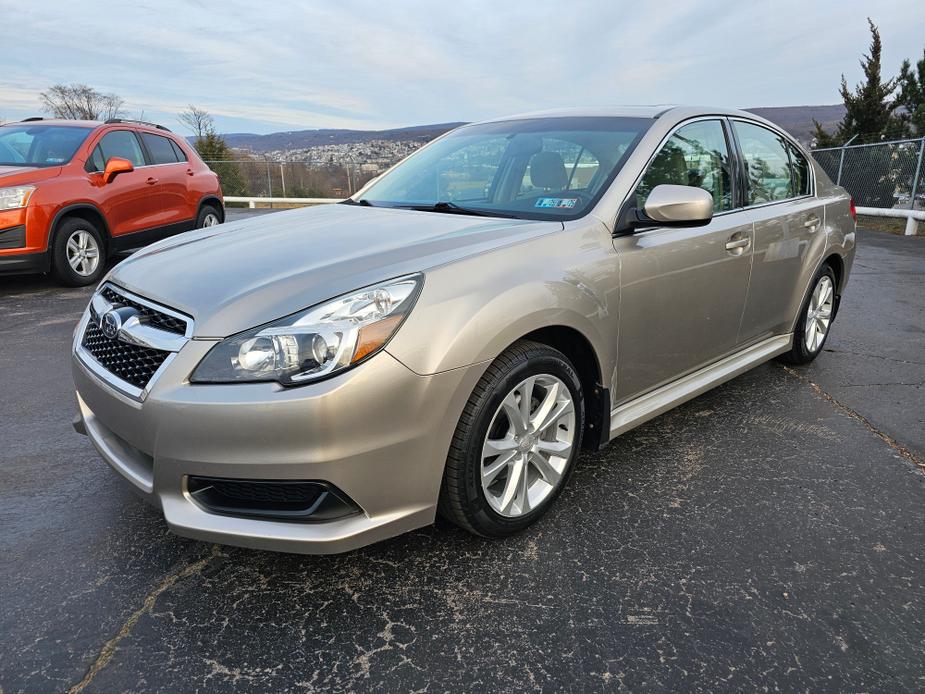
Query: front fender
point(471, 310)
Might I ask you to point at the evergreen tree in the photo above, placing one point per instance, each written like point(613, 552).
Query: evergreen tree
point(869, 114)
point(911, 97)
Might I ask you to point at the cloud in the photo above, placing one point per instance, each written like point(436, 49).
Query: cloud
point(366, 65)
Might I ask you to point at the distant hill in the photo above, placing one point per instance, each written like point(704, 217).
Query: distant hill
point(303, 139)
point(797, 120)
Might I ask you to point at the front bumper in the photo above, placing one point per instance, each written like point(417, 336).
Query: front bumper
point(379, 432)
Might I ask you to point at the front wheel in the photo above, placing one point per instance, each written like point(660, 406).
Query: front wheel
point(77, 257)
point(516, 442)
point(815, 320)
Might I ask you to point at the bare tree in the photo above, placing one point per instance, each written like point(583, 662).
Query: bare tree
point(80, 102)
point(198, 120)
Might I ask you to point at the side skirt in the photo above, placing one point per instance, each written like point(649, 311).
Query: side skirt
point(645, 407)
point(137, 239)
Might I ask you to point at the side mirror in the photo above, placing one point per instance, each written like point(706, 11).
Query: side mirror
point(668, 206)
point(116, 166)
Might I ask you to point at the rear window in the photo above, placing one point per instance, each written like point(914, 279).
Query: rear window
point(160, 148)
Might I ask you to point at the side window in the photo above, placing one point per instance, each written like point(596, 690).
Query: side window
point(696, 155)
point(181, 156)
point(159, 148)
point(96, 161)
point(800, 172)
point(122, 143)
point(766, 162)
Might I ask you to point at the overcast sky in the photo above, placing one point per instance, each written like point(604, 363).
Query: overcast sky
point(269, 66)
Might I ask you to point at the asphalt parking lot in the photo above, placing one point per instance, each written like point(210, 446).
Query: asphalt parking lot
point(767, 535)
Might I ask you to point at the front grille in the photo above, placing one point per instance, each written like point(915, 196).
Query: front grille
point(149, 315)
point(131, 363)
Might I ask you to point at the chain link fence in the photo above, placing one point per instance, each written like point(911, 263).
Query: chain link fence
point(886, 175)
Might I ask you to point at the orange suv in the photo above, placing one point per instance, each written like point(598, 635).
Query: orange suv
point(74, 192)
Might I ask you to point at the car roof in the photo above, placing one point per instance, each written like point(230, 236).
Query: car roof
point(90, 123)
point(650, 111)
point(57, 121)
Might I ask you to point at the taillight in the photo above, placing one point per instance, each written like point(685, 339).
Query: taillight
point(854, 211)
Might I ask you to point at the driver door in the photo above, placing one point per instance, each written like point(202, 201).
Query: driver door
point(683, 290)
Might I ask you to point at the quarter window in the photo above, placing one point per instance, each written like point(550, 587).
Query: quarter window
point(181, 156)
point(96, 161)
point(767, 164)
point(159, 148)
point(696, 155)
point(124, 144)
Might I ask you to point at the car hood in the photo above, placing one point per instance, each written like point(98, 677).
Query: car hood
point(242, 274)
point(19, 175)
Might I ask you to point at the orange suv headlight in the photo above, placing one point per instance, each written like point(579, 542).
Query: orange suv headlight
point(16, 197)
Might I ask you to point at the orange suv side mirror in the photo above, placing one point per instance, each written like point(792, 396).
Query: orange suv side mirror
point(115, 166)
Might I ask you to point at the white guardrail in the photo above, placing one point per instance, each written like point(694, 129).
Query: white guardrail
point(252, 202)
point(912, 217)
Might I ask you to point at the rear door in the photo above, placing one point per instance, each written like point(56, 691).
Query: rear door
point(130, 201)
point(171, 173)
point(789, 222)
point(682, 291)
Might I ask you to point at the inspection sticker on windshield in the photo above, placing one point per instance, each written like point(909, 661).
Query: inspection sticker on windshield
point(561, 203)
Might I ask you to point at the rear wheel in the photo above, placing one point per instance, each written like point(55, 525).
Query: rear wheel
point(208, 217)
point(516, 442)
point(816, 317)
point(77, 253)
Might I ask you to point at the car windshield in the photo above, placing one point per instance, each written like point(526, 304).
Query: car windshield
point(540, 168)
point(40, 145)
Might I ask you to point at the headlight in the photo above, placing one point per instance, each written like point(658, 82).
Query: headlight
point(13, 198)
point(315, 343)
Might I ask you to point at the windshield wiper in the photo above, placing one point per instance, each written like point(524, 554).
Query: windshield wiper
point(350, 201)
point(453, 208)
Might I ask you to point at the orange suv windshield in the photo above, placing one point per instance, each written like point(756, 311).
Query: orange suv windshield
point(40, 145)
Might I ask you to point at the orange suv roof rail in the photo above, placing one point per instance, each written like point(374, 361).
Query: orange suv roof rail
point(137, 122)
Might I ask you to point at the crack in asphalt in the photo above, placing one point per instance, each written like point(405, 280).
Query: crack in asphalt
point(874, 356)
point(109, 648)
point(900, 449)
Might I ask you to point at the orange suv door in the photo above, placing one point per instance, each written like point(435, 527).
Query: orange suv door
point(130, 201)
point(169, 165)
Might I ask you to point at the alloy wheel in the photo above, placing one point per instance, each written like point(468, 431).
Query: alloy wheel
point(528, 445)
point(819, 314)
point(83, 252)
point(210, 220)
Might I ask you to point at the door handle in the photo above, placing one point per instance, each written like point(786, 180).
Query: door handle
point(738, 246)
point(189, 172)
point(811, 222)
point(151, 180)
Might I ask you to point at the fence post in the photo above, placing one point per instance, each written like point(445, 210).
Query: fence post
point(917, 177)
point(282, 177)
point(841, 163)
point(269, 182)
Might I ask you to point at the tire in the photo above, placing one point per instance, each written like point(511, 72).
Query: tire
point(807, 343)
point(78, 255)
point(209, 216)
point(487, 508)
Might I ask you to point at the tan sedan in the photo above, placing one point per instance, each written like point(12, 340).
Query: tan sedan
point(448, 339)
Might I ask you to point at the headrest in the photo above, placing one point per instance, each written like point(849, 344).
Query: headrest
point(547, 170)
